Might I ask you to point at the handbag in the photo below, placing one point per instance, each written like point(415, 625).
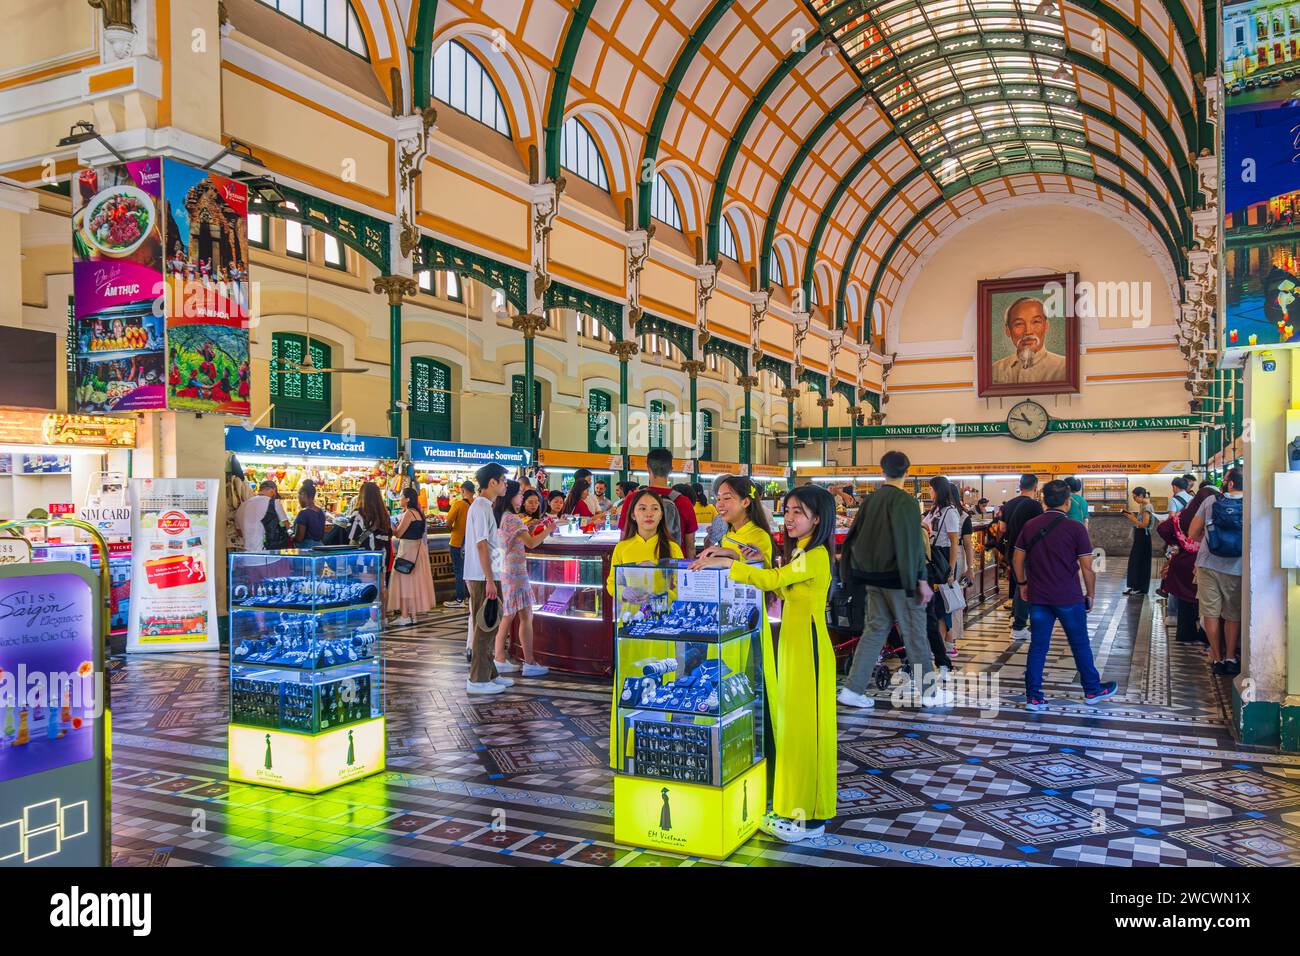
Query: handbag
point(403, 565)
point(954, 597)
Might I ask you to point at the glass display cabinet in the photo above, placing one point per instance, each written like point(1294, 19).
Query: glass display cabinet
point(572, 629)
point(306, 702)
point(688, 726)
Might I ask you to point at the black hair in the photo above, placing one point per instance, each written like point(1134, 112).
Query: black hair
point(467, 486)
point(488, 474)
point(504, 502)
point(1234, 476)
point(684, 489)
point(1028, 482)
point(659, 461)
point(894, 464)
point(578, 491)
point(1139, 490)
point(625, 488)
point(742, 487)
point(945, 494)
point(979, 505)
point(411, 498)
point(1056, 493)
point(820, 503)
point(630, 525)
point(582, 473)
point(552, 496)
point(1180, 483)
point(528, 495)
point(1075, 484)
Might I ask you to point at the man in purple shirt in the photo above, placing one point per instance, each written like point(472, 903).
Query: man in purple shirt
point(1051, 552)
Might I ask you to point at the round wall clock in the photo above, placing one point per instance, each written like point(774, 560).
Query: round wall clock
point(1027, 421)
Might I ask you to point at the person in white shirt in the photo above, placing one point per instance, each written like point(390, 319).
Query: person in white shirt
point(1180, 498)
point(482, 564)
point(602, 499)
point(248, 519)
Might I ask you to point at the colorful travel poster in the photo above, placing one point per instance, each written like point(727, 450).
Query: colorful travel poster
point(117, 236)
point(206, 229)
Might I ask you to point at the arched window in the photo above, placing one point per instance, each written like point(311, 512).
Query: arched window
point(301, 401)
point(663, 204)
point(657, 431)
point(333, 19)
point(430, 400)
point(600, 404)
point(460, 81)
point(518, 419)
point(579, 153)
point(727, 240)
point(774, 269)
point(706, 435)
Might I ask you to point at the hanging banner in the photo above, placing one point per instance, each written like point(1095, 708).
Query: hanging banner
point(286, 444)
point(173, 591)
point(207, 308)
point(117, 279)
point(52, 720)
point(448, 454)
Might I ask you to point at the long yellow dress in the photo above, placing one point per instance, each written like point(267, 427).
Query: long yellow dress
point(800, 683)
point(751, 534)
point(633, 550)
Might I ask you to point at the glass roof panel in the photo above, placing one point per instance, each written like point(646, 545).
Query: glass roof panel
point(975, 87)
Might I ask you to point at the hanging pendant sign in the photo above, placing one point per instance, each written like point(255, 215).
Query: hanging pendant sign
point(284, 444)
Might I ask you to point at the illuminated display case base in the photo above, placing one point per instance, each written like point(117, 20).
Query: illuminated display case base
point(304, 762)
point(691, 819)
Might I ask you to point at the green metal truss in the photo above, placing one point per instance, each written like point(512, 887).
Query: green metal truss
point(560, 78)
point(434, 254)
point(779, 368)
point(367, 234)
point(816, 379)
point(422, 54)
point(682, 336)
point(848, 390)
point(733, 352)
point(654, 135)
point(605, 311)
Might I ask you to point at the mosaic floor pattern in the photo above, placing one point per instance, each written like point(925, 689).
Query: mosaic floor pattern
point(1152, 777)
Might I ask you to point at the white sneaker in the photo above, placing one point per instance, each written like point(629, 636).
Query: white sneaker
point(507, 666)
point(533, 670)
point(474, 687)
point(503, 681)
point(401, 621)
point(1020, 634)
point(453, 603)
point(851, 698)
point(790, 831)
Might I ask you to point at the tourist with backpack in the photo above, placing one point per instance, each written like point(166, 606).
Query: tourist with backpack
point(680, 518)
point(261, 520)
point(1218, 526)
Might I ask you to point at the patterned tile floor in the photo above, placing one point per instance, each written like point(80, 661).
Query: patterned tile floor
point(1152, 777)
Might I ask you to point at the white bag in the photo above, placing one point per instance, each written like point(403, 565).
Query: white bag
point(954, 597)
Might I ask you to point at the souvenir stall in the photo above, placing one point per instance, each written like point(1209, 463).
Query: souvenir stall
point(338, 464)
point(560, 467)
point(442, 466)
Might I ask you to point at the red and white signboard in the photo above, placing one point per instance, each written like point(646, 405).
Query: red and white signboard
point(173, 596)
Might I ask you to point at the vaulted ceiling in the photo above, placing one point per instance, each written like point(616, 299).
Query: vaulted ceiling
point(858, 131)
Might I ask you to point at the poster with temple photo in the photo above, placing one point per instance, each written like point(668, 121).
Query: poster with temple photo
point(206, 235)
point(1261, 178)
point(1027, 337)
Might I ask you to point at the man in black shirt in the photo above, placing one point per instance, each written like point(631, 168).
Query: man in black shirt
point(1016, 513)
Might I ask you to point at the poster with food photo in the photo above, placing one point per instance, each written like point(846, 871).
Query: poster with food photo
point(117, 236)
point(206, 229)
point(120, 361)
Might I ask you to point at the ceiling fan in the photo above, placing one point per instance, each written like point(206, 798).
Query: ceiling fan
point(308, 366)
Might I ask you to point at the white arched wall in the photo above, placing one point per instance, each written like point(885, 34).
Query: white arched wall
point(611, 137)
point(690, 202)
point(1125, 368)
point(515, 82)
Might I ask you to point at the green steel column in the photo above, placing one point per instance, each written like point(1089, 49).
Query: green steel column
point(853, 434)
point(623, 351)
point(395, 287)
point(789, 394)
point(747, 433)
point(529, 410)
point(693, 368)
point(825, 402)
point(395, 377)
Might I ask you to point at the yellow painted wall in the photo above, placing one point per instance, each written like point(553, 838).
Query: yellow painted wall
point(40, 33)
point(473, 210)
point(580, 254)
